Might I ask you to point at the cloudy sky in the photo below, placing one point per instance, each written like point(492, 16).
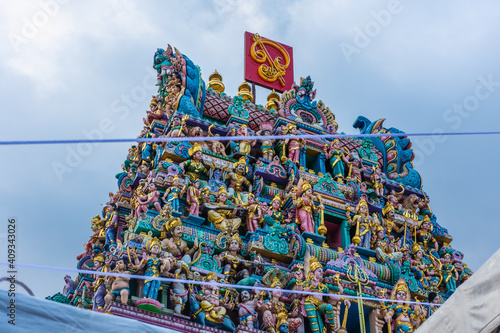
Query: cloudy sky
point(74, 70)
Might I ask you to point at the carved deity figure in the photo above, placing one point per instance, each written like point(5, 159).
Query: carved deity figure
point(119, 284)
point(450, 274)
point(221, 215)
point(178, 291)
point(111, 224)
point(316, 308)
point(98, 285)
point(193, 198)
point(378, 181)
point(178, 127)
point(243, 147)
point(337, 158)
point(237, 180)
point(364, 225)
point(247, 310)
point(305, 209)
point(235, 265)
point(149, 201)
point(292, 145)
point(175, 245)
point(398, 315)
point(254, 216)
point(267, 144)
point(274, 216)
point(275, 314)
point(154, 265)
point(194, 167)
point(173, 194)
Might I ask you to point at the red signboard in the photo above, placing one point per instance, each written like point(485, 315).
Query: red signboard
point(268, 63)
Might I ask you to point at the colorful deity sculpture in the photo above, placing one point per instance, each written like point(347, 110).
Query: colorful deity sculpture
point(305, 209)
point(111, 224)
point(235, 265)
point(398, 315)
point(364, 225)
point(193, 198)
point(178, 291)
point(120, 285)
point(175, 245)
point(98, 285)
point(337, 157)
point(221, 215)
point(237, 180)
point(254, 216)
point(247, 311)
point(425, 238)
point(178, 127)
point(194, 167)
point(274, 216)
point(266, 147)
point(314, 305)
point(173, 193)
point(450, 274)
point(148, 201)
point(292, 145)
point(209, 307)
point(275, 314)
point(378, 181)
point(243, 147)
point(154, 267)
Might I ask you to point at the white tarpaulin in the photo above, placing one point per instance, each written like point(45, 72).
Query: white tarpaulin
point(475, 305)
point(36, 315)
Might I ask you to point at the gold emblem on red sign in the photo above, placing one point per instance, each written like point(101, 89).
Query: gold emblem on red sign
point(272, 69)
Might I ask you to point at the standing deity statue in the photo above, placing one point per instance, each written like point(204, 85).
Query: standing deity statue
point(364, 224)
point(98, 285)
point(193, 198)
point(305, 209)
point(293, 145)
point(337, 158)
point(237, 180)
point(254, 216)
point(148, 201)
point(119, 285)
point(235, 265)
point(316, 308)
point(243, 147)
point(194, 167)
point(247, 310)
point(378, 181)
point(154, 267)
point(267, 144)
point(398, 315)
point(173, 194)
point(111, 224)
point(274, 217)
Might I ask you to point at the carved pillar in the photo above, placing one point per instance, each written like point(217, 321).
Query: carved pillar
point(376, 321)
point(164, 293)
point(302, 157)
point(345, 236)
point(319, 165)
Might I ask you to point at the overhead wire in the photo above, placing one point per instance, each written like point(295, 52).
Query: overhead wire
point(210, 283)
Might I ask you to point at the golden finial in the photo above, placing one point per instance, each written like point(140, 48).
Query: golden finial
point(245, 91)
point(273, 96)
point(215, 82)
